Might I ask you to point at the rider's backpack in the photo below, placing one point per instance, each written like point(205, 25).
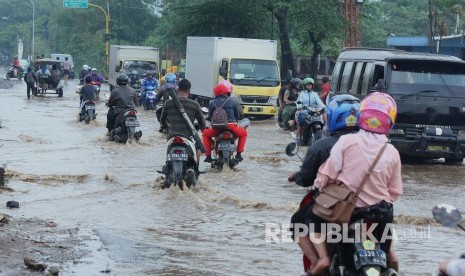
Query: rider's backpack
point(219, 116)
point(29, 78)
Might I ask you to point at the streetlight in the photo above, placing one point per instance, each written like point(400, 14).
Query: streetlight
point(33, 31)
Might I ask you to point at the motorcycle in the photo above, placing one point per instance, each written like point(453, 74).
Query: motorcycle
point(14, 72)
point(125, 127)
point(181, 163)
point(313, 125)
point(150, 97)
point(448, 215)
point(88, 111)
point(224, 145)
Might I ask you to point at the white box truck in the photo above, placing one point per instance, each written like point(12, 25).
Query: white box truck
point(249, 64)
point(126, 59)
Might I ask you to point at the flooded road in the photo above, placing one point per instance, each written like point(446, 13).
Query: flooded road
point(66, 171)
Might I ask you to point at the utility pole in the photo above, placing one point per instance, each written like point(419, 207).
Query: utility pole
point(107, 35)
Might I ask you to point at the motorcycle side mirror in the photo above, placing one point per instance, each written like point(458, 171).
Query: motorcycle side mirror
point(204, 110)
point(290, 149)
point(448, 215)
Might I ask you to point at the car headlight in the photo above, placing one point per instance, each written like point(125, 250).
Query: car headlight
point(461, 135)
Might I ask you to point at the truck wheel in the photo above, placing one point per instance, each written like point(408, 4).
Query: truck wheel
point(60, 92)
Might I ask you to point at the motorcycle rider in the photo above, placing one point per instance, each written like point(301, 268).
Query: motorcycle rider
point(148, 81)
point(290, 99)
point(308, 98)
point(222, 98)
point(453, 267)
point(96, 77)
point(280, 101)
point(348, 162)
point(122, 98)
point(84, 72)
point(163, 95)
point(342, 112)
point(172, 119)
point(87, 92)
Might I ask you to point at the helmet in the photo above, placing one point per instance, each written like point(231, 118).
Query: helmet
point(149, 73)
point(122, 79)
point(94, 70)
point(170, 78)
point(294, 82)
point(342, 112)
point(134, 72)
point(85, 67)
point(227, 84)
point(377, 113)
point(220, 89)
point(308, 80)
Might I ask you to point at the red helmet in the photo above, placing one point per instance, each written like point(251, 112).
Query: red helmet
point(220, 89)
point(227, 84)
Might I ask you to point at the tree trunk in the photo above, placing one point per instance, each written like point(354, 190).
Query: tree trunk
point(317, 50)
point(287, 61)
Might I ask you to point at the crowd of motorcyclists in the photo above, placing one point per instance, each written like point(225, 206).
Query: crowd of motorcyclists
point(357, 130)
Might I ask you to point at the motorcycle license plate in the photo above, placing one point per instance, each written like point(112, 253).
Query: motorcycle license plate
point(90, 107)
point(369, 257)
point(255, 109)
point(132, 123)
point(226, 146)
point(177, 157)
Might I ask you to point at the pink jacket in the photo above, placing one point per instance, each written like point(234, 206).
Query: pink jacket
point(350, 160)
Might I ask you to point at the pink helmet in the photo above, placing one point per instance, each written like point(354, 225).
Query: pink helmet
point(377, 113)
point(227, 84)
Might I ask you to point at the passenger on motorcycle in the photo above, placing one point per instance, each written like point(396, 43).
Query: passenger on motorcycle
point(308, 98)
point(134, 79)
point(290, 99)
point(163, 94)
point(172, 119)
point(349, 161)
point(122, 98)
point(87, 92)
point(222, 98)
point(147, 82)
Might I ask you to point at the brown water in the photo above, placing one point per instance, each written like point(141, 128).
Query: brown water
point(68, 172)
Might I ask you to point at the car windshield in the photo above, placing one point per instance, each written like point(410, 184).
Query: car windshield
point(140, 66)
point(427, 78)
point(254, 72)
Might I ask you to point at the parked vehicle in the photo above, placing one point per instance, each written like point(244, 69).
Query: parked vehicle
point(88, 111)
point(313, 126)
point(181, 163)
point(126, 59)
point(428, 90)
point(125, 129)
point(150, 97)
point(249, 64)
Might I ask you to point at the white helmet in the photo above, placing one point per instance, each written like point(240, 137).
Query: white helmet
point(94, 69)
point(85, 67)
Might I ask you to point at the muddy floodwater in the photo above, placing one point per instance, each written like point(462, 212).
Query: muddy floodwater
point(65, 171)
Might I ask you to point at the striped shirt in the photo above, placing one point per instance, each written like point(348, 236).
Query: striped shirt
point(172, 115)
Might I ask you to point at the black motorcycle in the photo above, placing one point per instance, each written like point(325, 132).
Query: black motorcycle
point(125, 127)
point(313, 125)
point(181, 163)
point(88, 111)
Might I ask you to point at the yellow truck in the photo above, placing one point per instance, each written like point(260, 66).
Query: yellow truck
point(249, 64)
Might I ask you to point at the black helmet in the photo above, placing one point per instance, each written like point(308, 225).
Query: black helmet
point(294, 82)
point(122, 79)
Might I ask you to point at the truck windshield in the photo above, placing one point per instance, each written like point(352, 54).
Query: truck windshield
point(427, 78)
point(140, 66)
point(254, 72)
